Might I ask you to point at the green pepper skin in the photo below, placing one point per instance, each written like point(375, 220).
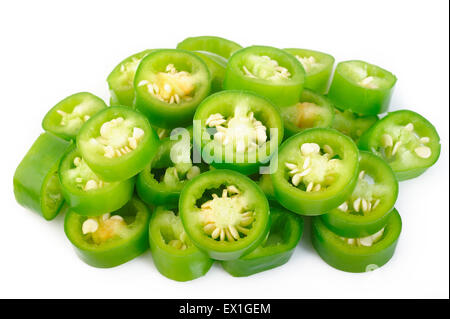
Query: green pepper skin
point(338, 254)
point(352, 124)
point(177, 264)
point(347, 93)
point(216, 66)
point(115, 251)
point(36, 184)
point(217, 45)
point(282, 92)
point(285, 233)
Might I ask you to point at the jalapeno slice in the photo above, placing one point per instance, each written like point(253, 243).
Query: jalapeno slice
point(36, 183)
point(315, 171)
point(267, 71)
point(406, 140)
point(85, 192)
point(357, 254)
point(318, 67)
point(169, 85)
point(117, 143)
point(237, 130)
point(313, 110)
point(368, 209)
point(362, 87)
point(217, 45)
point(276, 250)
point(66, 118)
point(352, 124)
point(224, 213)
point(174, 254)
point(112, 239)
point(121, 79)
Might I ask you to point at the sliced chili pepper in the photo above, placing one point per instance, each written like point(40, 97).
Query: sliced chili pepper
point(117, 143)
point(362, 87)
point(169, 85)
point(352, 124)
point(220, 46)
point(357, 254)
point(265, 183)
point(112, 239)
point(174, 254)
point(316, 171)
point(216, 66)
point(235, 130)
point(85, 192)
point(267, 71)
point(368, 209)
point(318, 67)
point(36, 183)
point(285, 233)
point(406, 140)
point(224, 213)
point(66, 118)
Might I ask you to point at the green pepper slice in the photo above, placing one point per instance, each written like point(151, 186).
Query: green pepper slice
point(169, 86)
point(224, 213)
point(267, 71)
point(406, 140)
point(217, 45)
point(174, 254)
point(216, 66)
point(117, 143)
point(112, 239)
point(318, 68)
point(36, 183)
point(362, 87)
point(66, 118)
point(352, 124)
point(313, 110)
point(121, 79)
point(237, 130)
point(315, 171)
point(85, 192)
point(368, 209)
point(357, 254)
point(285, 233)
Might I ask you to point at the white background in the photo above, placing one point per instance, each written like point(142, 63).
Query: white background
point(49, 50)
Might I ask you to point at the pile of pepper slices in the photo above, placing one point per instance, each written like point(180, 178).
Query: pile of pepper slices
point(214, 152)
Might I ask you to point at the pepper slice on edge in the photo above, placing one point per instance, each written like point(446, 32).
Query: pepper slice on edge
point(237, 130)
point(224, 213)
point(404, 139)
point(318, 68)
point(117, 143)
point(267, 71)
point(173, 253)
point(85, 192)
point(313, 110)
point(352, 124)
point(36, 183)
point(315, 171)
point(357, 254)
point(66, 118)
point(276, 250)
point(169, 86)
point(112, 239)
point(368, 209)
point(362, 87)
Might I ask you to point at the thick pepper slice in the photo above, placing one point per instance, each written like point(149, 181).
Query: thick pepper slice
point(66, 118)
point(368, 209)
point(362, 87)
point(224, 213)
point(318, 67)
point(237, 130)
point(315, 171)
point(352, 124)
point(313, 110)
point(276, 250)
point(174, 254)
point(112, 239)
point(85, 192)
point(267, 71)
point(169, 86)
point(36, 183)
point(357, 254)
point(117, 143)
point(406, 140)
